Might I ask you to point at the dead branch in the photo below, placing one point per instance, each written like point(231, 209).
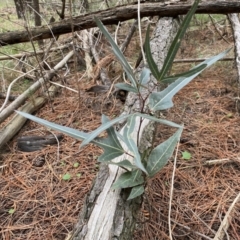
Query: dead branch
point(18, 121)
point(99, 69)
point(22, 98)
point(114, 15)
point(226, 221)
point(29, 54)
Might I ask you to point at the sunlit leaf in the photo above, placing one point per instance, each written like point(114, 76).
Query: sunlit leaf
point(136, 191)
point(159, 156)
point(129, 179)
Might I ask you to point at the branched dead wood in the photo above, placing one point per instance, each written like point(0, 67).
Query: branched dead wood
point(114, 15)
point(22, 98)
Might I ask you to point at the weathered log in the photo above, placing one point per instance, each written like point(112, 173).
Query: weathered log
point(236, 33)
point(114, 15)
point(107, 214)
point(17, 122)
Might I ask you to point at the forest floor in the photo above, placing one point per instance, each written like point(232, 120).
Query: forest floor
point(38, 201)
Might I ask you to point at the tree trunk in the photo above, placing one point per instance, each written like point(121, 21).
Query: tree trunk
point(19, 8)
point(107, 214)
point(114, 15)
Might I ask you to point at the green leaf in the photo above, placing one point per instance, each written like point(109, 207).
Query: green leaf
point(69, 131)
point(11, 211)
point(189, 73)
point(76, 164)
point(102, 128)
point(78, 175)
point(124, 163)
point(129, 179)
point(66, 177)
point(111, 145)
point(126, 87)
point(163, 100)
point(132, 146)
point(145, 76)
point(118, 53)
point(136, 191)
point(151, 63)
point(186, 155)
point(159, 156)
point(176, 42)
point(162, 121)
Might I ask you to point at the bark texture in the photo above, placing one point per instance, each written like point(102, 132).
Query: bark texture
point(107, 214)
point(236, 32)
point(114, 15)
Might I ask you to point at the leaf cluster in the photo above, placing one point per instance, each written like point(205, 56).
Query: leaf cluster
point(140, 167)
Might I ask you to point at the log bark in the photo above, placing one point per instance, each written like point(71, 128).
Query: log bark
point(107, 214)
point(114, 15)
point(236, 32)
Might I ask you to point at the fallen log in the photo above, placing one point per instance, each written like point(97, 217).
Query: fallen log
point(114, 15)
point(17, 122)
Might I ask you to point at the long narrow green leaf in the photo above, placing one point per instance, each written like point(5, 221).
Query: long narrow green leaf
point(183, 75)
point(132, 146)
point(163, 100)
point(176, 42)
point(118, 53)
point(160, 155)
point(112, 147)
point(151, 63)
point(162, 121)
point(69, 131)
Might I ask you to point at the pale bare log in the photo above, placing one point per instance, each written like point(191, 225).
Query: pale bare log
point(17, 122)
